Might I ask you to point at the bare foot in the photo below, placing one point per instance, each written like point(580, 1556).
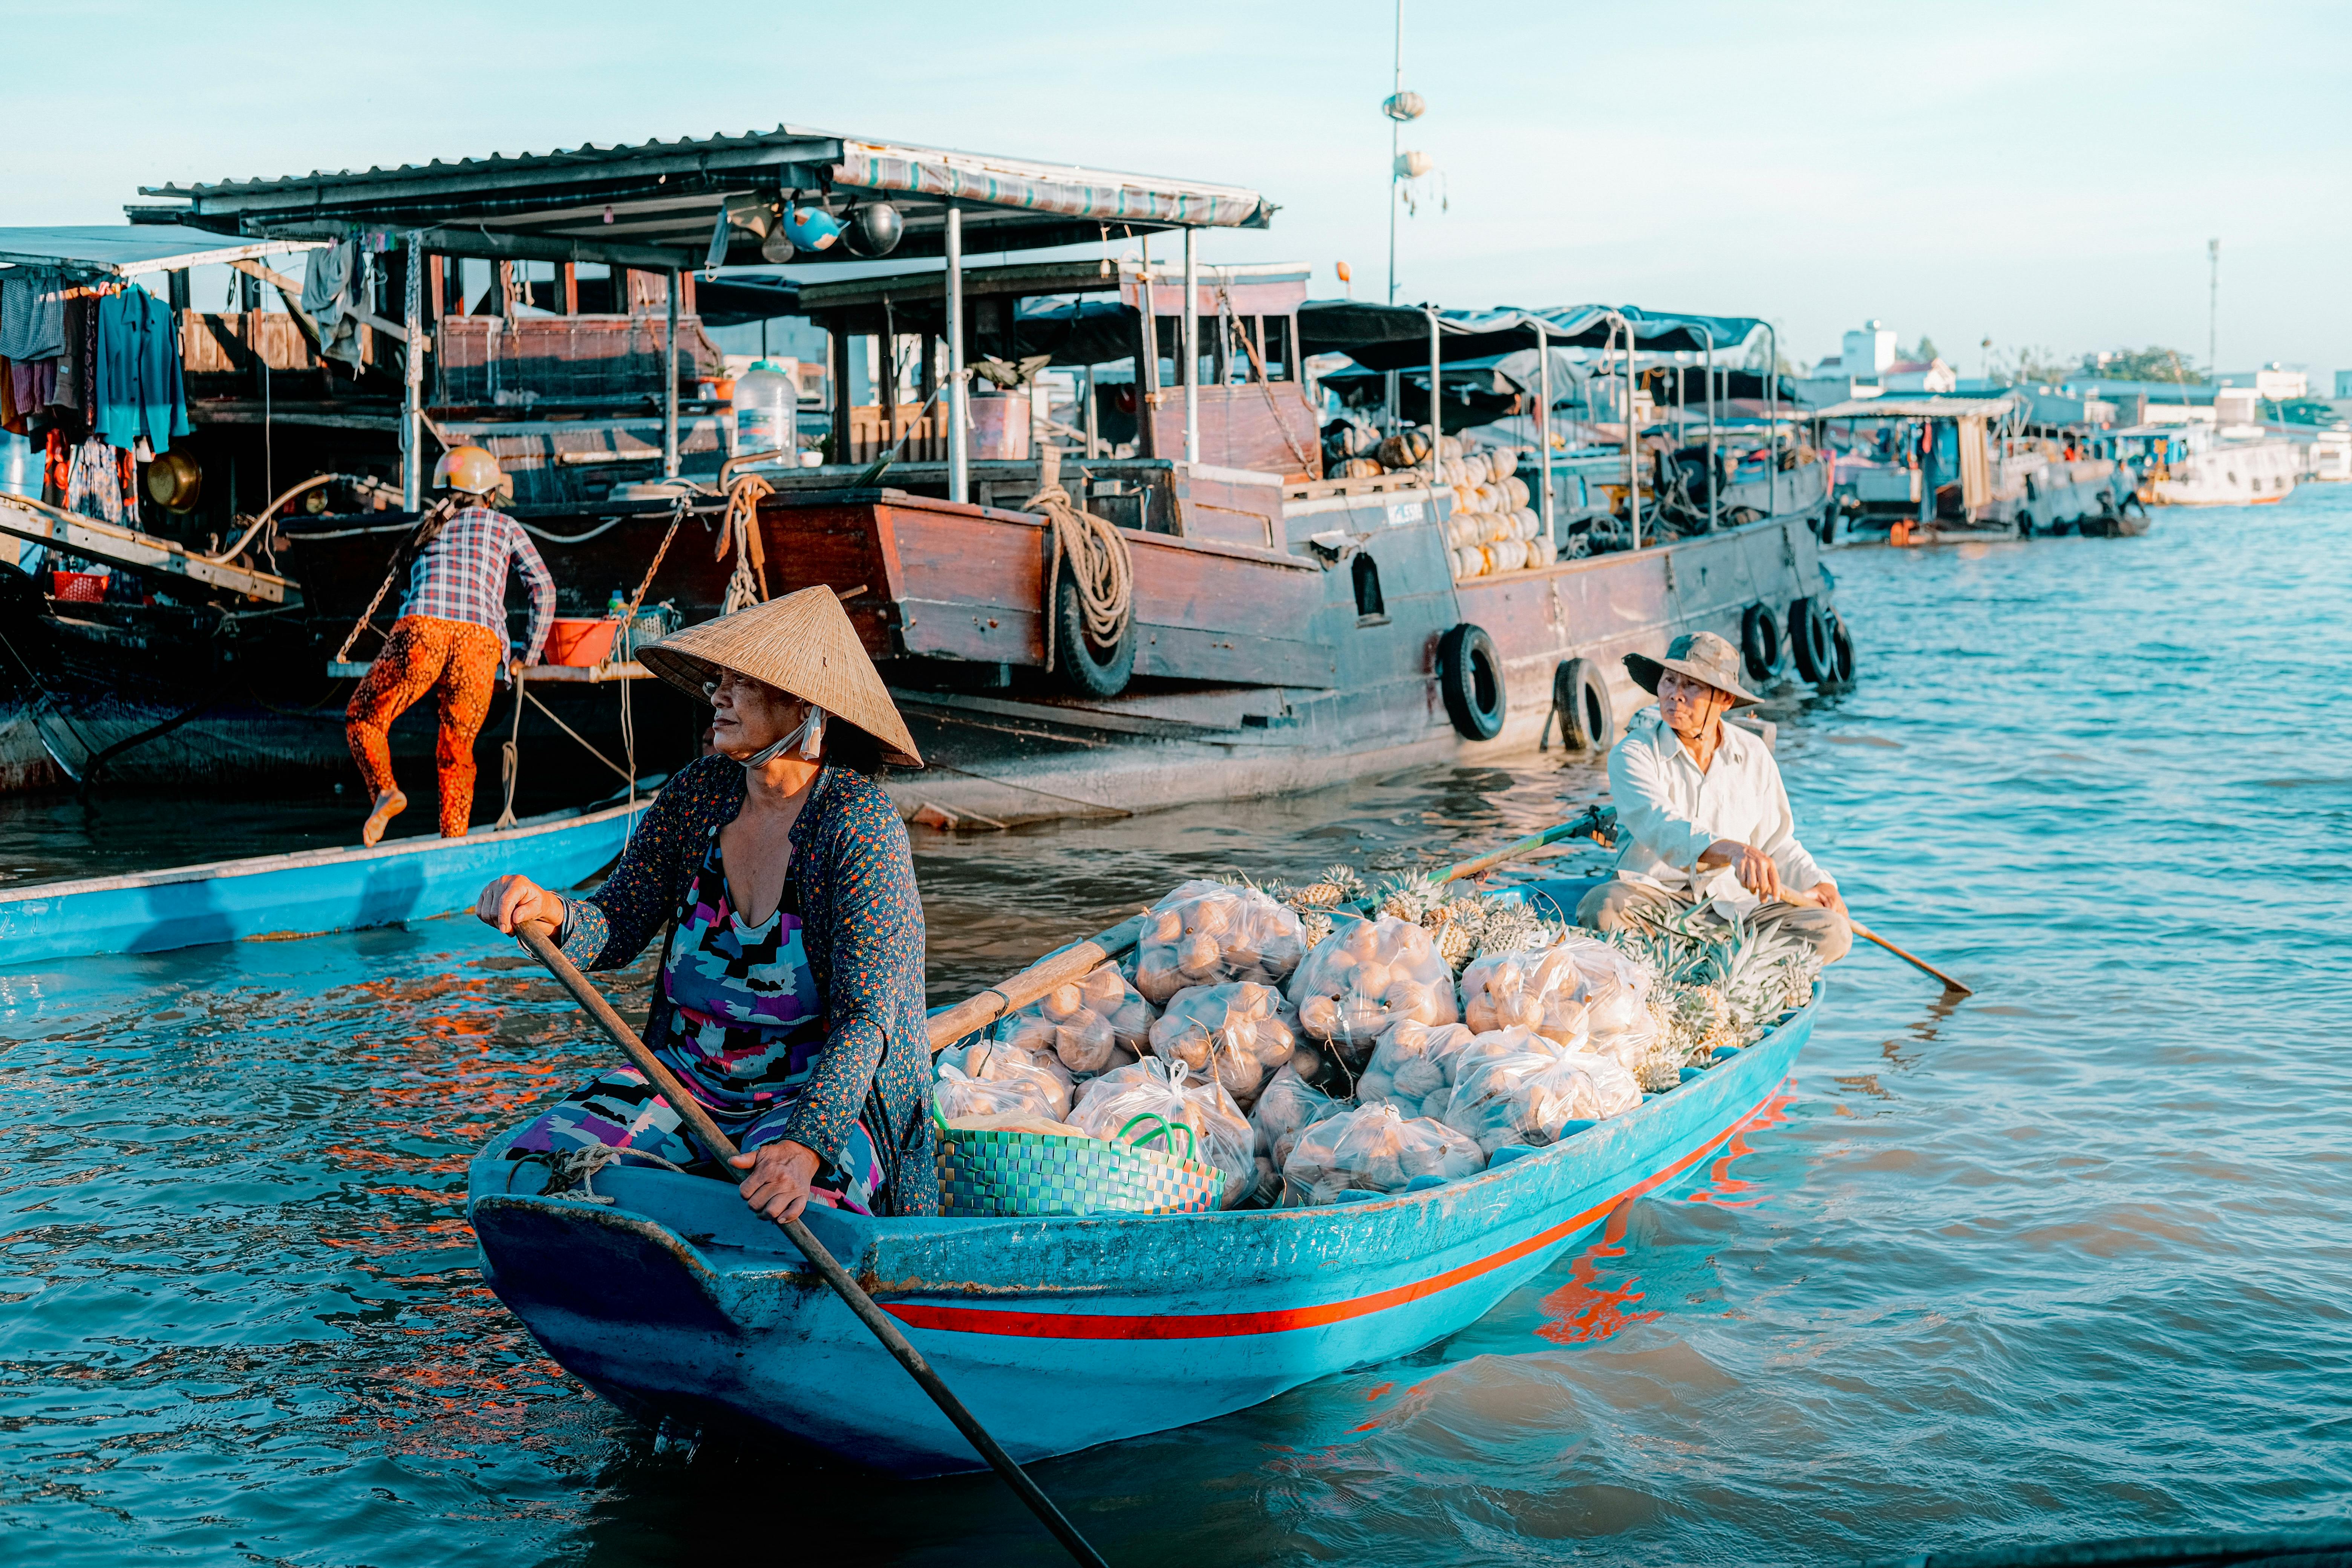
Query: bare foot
point(388, 804)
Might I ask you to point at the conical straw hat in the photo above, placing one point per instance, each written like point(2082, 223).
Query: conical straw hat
point(801, 644)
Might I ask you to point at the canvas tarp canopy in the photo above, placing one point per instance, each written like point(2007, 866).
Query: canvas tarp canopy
point(128, 250)
point(660, 204)
point(1396, 337)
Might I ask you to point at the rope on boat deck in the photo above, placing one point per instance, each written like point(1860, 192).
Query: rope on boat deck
point(1097, 556)
point(577, 1168)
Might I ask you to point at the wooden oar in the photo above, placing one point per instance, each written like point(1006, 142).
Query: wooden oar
point(1012, 995)
point(535, 937)
point(1598, 823)
point(1863, 931)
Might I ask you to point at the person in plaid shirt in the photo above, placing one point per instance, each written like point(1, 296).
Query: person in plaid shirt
point(450, 640)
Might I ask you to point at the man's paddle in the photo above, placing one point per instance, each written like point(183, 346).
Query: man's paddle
point(534, 936)
point(1921, 964)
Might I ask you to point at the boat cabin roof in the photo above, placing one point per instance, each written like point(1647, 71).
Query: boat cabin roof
point(1919, 408)
point(127, 250)
point(659, 205)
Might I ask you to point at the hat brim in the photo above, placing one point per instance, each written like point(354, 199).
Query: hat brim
point(1645, 671)
point(689, 658)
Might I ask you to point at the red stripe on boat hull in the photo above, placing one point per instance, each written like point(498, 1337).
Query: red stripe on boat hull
point(1218, 1325)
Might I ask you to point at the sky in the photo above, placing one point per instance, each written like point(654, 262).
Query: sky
point(2044, 174)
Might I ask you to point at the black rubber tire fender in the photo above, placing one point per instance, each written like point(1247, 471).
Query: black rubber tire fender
point(1761, 646)
point(1841, 650)
point(1086, 670)
point(1580, 696)
point(1470, 680)
point(1809, 639)
point(2024, 525)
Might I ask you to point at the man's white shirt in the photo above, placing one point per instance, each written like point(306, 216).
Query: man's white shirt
point(1671, 814)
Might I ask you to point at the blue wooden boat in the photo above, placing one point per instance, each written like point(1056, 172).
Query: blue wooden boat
point(668, 1297)
point(306, 892)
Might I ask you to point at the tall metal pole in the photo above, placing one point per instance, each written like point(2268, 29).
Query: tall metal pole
point(1771, 421)
point(2213, 314)
point(958, 409)
point(1396, 147)
point(1710, 430)
point(1633, 432)
point(670, 384)
point(1543, 424)
point(1192, 347)
point(412, 411)
point(1436, 409)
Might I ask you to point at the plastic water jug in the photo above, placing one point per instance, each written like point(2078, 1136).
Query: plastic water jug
point(767, 403)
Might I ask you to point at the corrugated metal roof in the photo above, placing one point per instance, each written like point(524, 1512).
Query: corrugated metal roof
point(664, 198)
point(123, 250)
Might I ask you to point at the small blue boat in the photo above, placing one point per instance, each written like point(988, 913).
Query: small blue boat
point(668, 1297)
point(305, 892)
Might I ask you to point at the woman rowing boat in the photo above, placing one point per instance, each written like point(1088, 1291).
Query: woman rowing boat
point(790, 997)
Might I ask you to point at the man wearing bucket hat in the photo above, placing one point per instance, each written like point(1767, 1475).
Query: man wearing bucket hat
point(1704, 813)
point(449, 641)
point(790, 995)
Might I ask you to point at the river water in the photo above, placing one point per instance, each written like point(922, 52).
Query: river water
point(2066, 1259)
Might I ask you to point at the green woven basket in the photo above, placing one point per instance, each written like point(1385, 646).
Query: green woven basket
point(994, 1172)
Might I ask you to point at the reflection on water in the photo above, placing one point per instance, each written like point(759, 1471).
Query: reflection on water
point(2061, 1259)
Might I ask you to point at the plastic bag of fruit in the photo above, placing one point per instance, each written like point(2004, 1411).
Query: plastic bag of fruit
point(1412, 1066)
point(959, 1095)
point(1091, 1024)
point(1366, 975)
point(1239, 1034)
point(1208, 933)
point(1529, 1096)
point(1288, 1106)
point(1543, 991)
point(993, 1061)
point(1373, 1149)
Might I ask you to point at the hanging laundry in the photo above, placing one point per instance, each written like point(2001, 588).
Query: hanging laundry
point(137, 390)
point(334, 291)
point(12, 419)
point(72, 390)
point(32, 313)
point(30, 384)
point(94, 482)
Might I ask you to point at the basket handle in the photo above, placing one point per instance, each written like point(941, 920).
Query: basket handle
point(1166, 1135)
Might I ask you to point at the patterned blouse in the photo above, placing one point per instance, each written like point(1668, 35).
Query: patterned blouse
point(853, 879)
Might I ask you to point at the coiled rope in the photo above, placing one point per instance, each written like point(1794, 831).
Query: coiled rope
point(1098, 560)
point(740, 533)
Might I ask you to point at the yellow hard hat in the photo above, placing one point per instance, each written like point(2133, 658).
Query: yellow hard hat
point(468, 469)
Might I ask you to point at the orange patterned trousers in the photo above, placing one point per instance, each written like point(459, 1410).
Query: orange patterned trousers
point(458, 663)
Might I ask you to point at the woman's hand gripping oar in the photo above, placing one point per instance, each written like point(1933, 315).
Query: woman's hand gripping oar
point(534, 935)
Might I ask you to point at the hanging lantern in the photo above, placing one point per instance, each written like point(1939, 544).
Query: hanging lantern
point(1404, 106)
point(1412, 165)
point(875, 229)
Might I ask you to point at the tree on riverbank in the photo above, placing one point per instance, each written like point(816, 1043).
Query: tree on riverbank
point(2154, 363)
